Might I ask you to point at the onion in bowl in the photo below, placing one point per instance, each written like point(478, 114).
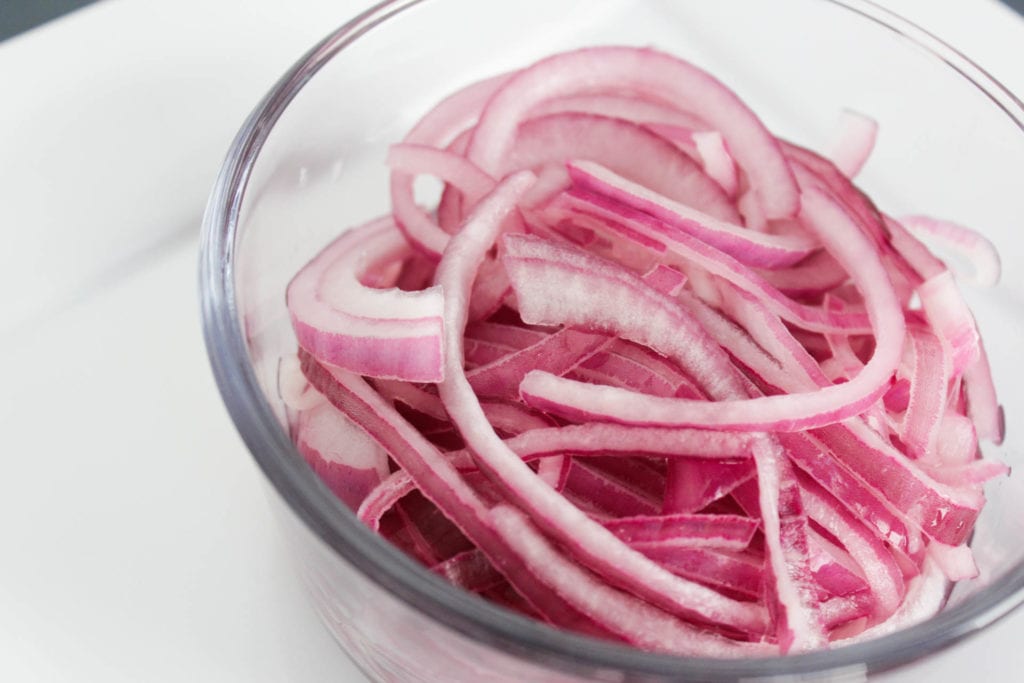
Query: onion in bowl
point(636, 318)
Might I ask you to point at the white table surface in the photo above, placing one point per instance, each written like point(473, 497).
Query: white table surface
point(135, 542)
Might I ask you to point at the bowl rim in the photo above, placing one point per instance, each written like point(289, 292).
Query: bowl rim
point(337, 527)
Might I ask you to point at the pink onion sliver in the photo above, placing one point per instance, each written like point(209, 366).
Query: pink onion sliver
point(951, 319)
point(383, 497)
point(835, 572)
point(928, 385)
point(680, 135)
point(982, 404)
point(944, 513)
point(513, 336)
point(877, 563)
point(725, 532)
point(380, 333)
point(926, 594)
point(408, 160)
point(557, 353)
point(913, 251)
point(774, 497)
point(607, 494)
point(749, 247)
point(648, 112)
point(738, 573)
point(555, 471)
point(448, 166)
point(489, 291)
point(854, 143)
point(436, 129)
point(955, 561)
point(814, 459)
point(455, 113)
point(816, 274)
point(978, 250)
point(641, 72)
point(718, 163)
point(957, 443)
point(694, 484)
point(976, 473)
point(625, 148)
point(345, 458)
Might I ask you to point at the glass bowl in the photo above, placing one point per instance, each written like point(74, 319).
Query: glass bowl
point(309, 162)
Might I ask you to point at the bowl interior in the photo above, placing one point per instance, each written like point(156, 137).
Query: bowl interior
point(310, 163)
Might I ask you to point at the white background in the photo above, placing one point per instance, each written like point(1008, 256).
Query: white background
point(135, 542)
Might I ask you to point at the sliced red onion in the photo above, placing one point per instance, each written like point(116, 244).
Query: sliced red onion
point(856, 140)
point(598, 491)
point(408, 160)
point(694, 484)
point(557, 353)
point(644, 74)
point(718, 163)
point(724, 532)
point(775, 442)
point(436, 129)
point(733, 573)
point(814, 459)
point(926, 406)
point(623, 107)
point(945, 513)
point(877, 564)
point(747, 246)
point(978, 250)
point(627, 149)
point(375, 332)
point(349, 462)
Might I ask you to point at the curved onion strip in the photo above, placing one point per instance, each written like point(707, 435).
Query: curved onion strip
point(626, 149)
point(876, 562)
point(856, 139)
point(747, 246)
point(973, 245)
point(436, 128)
point(408, 160)
point(645, 74)
point(380, 333)
point(622, 107)
point(718, 163)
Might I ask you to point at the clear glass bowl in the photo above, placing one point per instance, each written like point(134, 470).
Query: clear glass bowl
point(309, 162)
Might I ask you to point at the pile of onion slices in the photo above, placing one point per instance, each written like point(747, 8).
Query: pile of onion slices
point(646, 371)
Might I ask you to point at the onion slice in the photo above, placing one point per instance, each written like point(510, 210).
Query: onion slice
point(376, 332)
